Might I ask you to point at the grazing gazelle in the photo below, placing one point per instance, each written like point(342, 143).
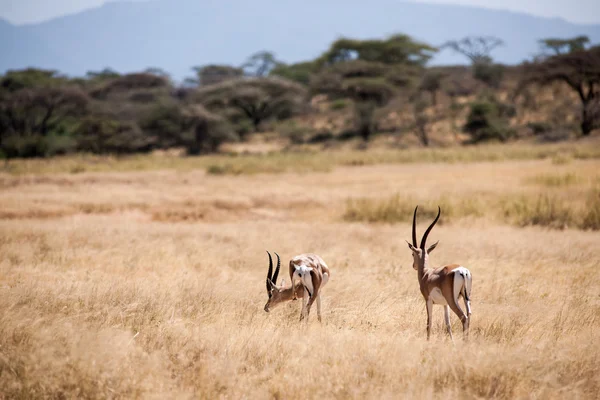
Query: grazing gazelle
point(313, 274)
point(443, 285)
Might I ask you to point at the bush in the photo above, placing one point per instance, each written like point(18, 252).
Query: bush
point(487, 121)
point(36, 146)
point(489, 73)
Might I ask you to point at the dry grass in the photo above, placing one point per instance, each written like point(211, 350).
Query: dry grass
point(309, 159)
point(151, 285)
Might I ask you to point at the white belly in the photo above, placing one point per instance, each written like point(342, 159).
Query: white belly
point(437, 297)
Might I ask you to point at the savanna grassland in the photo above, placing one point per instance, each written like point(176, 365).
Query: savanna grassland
point(145, 277)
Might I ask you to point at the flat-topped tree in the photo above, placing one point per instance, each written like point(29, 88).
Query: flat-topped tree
point(257, 99)
point(478, 49)
point(260, 64)
point(558, 46)
point(396, 50)
point(580, 70)
point(215, 73)
point(369, 72)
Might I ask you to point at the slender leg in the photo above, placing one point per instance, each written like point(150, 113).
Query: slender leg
point(310, 303)
point(467, 305)
point(429, 304)
point(294, 297)
point(319, 307)
point(453, 303)
point(447, 319)
point(304, 304)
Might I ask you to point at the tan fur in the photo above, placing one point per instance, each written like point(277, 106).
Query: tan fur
point(280, 294)
point(318, 269)
point(441, 278)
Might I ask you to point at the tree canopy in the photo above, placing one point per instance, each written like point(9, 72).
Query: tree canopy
point(580, 70)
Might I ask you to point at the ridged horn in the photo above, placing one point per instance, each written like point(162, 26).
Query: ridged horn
point(274, 280)
point(414, 228)
point(424, 240)
point(269, 274)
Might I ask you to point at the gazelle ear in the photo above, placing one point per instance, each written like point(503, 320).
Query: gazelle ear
point(430, 249)
point(410, 246)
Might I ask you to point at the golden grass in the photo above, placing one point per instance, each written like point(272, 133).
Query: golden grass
point(151, 285)
point(308, 160)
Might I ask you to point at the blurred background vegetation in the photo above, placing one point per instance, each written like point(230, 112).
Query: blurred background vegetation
point(356, 90)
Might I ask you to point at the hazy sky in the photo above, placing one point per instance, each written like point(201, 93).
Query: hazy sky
point(581, 11)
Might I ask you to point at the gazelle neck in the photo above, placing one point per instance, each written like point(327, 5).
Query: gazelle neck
point(288, 293)
point(423, 265)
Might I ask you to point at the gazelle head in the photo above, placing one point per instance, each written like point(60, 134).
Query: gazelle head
point(274, 291)
point(420, 255)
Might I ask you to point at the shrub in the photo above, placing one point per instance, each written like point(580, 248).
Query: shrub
point(487, 121)
point(489, 73)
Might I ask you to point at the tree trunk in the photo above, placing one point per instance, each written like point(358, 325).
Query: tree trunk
point(365, 132)
point(587, 121)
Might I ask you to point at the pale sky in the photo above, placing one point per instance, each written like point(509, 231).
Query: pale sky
point(578, 11)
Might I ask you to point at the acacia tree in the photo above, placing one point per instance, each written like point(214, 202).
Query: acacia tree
point(562, 46)
point(369, 73)
point(432, 82)
point(478, 50)
point(396, 50)
point(580, 70)
point(260, 64)
point(213, 74)
point(258, 99)
point(367, 84)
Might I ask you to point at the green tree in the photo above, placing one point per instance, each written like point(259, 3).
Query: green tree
point(300, 72)
point(213, 74)
point(580, 71)
point(397, 49)
point(561, 46)
point(260, 64)
point(478, 50)
point(257, 99)
point(488, 120)
point(431, 83)
point(33, 119)
point(370, 74)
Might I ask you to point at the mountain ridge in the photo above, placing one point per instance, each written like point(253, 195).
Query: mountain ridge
point(178, 34)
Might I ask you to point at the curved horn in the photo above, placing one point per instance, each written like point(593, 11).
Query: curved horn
point(270, 273)
point(424, 240)
point(274, 280)
point(414, 230)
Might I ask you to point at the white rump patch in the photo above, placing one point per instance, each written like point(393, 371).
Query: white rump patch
point(303, 272)
point(462, 281)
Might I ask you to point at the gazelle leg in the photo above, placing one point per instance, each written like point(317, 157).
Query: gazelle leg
point(447, 319)
point(467, 306)
point(319, 307)
point(304, 312)
point(294, 297)
point(429, 304)
point(310, 303)
point(460, 314)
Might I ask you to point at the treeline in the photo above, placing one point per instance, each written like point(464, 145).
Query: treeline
point(43, 113)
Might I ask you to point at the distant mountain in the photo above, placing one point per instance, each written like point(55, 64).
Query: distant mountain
point(177, 34)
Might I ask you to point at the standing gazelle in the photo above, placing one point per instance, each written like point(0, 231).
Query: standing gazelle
point(443, 285)
point(313, 274)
